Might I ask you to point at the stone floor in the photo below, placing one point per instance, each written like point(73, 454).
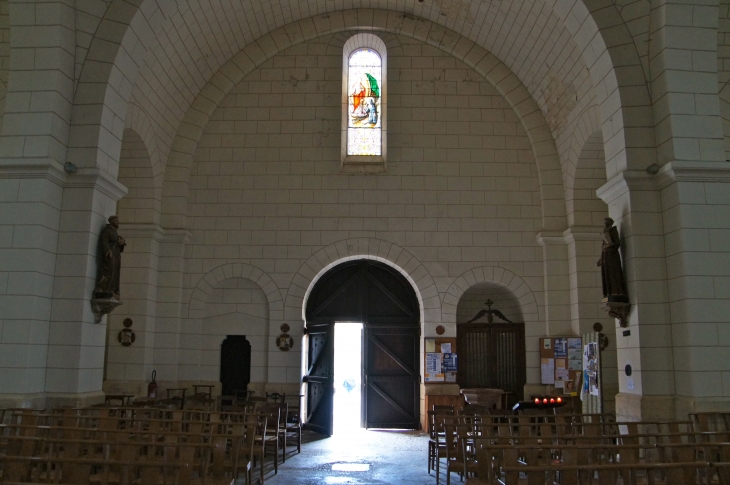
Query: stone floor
point(394, 456)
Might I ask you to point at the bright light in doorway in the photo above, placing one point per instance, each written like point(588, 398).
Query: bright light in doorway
point(348, 372)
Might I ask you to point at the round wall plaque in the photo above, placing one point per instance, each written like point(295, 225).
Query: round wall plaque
point(127, 322)
point(285, 342)
point(126, 337)
point(284, 328)
point(440, 330)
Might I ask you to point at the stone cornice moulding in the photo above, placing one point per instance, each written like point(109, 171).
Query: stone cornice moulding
point(180, 236)
point(152, 231)
point(669, 173)
point(546, 238)
point(681, 171)
point(84, 178)
point(52, 172)
point(96, 179)
point(621, 183)
point(582, 233)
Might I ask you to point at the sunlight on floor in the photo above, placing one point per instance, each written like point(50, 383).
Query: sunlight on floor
point(348, 372)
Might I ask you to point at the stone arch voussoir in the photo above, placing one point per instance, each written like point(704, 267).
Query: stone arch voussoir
point(364, 248)
point(196, 306)
point(628, 143)
point(113, 60)
point(489, 274)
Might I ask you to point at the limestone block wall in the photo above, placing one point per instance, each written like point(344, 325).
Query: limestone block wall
point(237, 306)
point(461, 190)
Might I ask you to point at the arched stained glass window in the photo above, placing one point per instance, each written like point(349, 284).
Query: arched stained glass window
point(364, 103)
point(364, 107)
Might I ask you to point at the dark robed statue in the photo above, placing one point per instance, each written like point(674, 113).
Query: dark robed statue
point(109, 259)
point(610, 263)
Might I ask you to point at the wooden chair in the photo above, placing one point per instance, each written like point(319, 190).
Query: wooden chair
point(272, 438)
point(259, 446)
point(293, 430)
point(245, 454)
point(436, 447)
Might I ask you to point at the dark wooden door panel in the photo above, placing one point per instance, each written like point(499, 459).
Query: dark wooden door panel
point(391, 372)
point(319, 375)
point(235, 371)
point(390, 403)
point(492, 355)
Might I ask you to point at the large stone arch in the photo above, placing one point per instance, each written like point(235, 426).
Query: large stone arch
point(614, 65)
point(140, 174)
point(489, 274)
point(476, 57)
point(584, 22)
point(107, 77)
point(199, 295)
point(364, 248)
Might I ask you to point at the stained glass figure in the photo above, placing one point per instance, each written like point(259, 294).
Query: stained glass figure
point(364, 103)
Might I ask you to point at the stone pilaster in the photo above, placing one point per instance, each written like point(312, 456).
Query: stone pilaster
point(634, 203)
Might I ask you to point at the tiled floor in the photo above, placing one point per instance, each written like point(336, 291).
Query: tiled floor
point(395, 457)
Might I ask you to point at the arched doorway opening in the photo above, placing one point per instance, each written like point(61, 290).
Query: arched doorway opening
point(378, 296)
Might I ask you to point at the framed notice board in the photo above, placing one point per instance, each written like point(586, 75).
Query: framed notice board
point(561, 362)
point(440, 360)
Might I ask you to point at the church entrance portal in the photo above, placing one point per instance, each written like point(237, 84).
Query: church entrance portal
point(384, 301)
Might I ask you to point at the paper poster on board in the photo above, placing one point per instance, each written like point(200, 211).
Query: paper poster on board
point(450, 362)
point(450, 366)
point(561, 347)
point(433, 371)
point(547, 371)
point(430, 345)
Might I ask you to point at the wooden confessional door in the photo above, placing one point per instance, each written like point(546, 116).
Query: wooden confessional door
point(492, 355)
point(384, 301)
point(235, 371)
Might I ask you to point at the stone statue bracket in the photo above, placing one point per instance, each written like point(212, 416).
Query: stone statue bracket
point(617, 306)
point(103, 306)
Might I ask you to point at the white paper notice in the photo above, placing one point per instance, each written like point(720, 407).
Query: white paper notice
point(433, 363)
point(562, 374)
point(430, 345)
point(446, 348)
point(547, 371)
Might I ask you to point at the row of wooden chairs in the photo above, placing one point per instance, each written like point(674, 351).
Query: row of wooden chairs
point(132, 457)
point(593, 464)
point(128, 417)
point(109, 424)
point(680, 450)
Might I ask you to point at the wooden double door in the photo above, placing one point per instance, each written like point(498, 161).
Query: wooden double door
point(384, 301)
point(492, 355)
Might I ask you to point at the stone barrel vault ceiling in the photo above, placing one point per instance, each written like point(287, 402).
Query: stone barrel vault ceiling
point(198, 37)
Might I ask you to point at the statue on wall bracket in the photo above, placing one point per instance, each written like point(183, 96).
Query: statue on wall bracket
point(615, 297)
point(106, 295)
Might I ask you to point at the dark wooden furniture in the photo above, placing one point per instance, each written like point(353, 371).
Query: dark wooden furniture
point(492, 355)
